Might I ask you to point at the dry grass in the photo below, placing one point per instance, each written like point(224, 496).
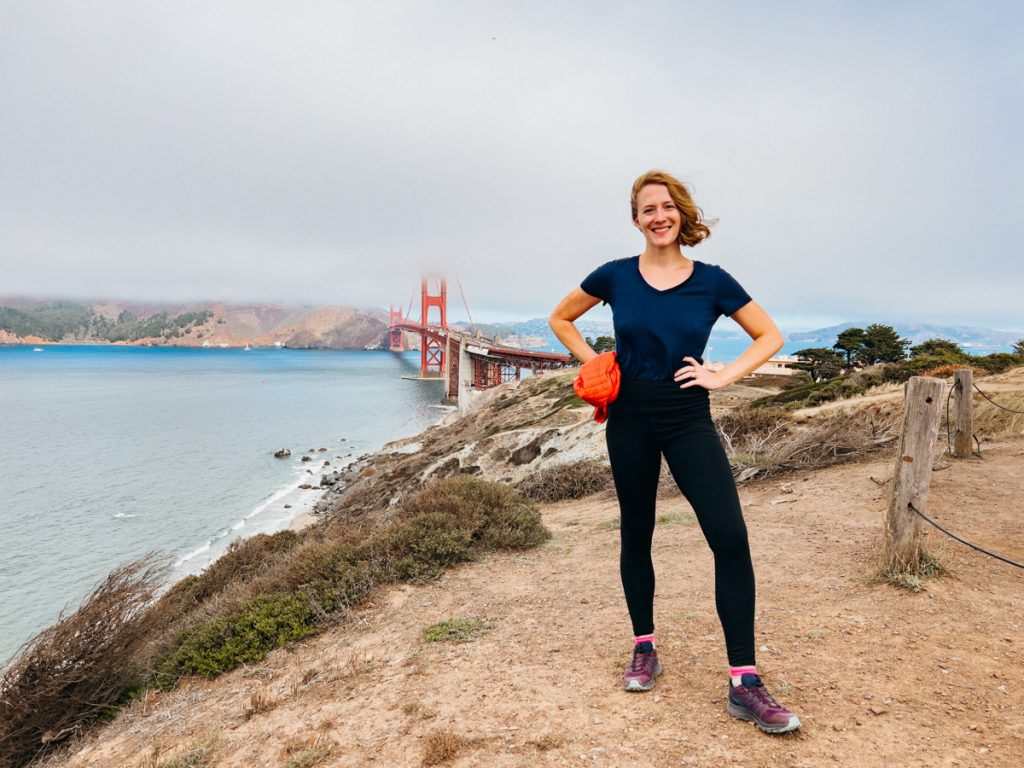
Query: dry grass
point(259, 703)
point(198, 755)
point(70, 675)
point(908, 575)
point(767, 444)
point(443, 747)
point(992, 421)
point(569, 480)
point(308, 751)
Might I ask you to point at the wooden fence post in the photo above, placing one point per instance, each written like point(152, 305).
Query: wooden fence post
point(963, 381)
point(922, 406)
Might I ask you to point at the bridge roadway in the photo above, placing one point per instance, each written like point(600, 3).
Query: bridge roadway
point(491, 363)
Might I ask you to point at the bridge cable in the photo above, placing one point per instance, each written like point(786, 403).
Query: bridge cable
point(962, 541)
point(412, 298)
point(465, 303)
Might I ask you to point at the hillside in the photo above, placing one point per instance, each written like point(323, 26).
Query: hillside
point(880, 676)
point(201, 324)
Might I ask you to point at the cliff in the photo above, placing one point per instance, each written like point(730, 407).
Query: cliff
point(516, 659)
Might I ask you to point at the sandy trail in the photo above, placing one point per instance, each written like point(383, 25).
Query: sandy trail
point(880, 677)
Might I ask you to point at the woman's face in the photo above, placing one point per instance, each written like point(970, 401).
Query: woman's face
point(657, 215)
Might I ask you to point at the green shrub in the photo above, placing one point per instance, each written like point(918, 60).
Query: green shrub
point(916, 366)
point(263, 624)
point(997, 362)
point(457, 630)
point(814, 393)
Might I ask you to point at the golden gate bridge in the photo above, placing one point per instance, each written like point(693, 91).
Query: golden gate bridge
point(467, 362)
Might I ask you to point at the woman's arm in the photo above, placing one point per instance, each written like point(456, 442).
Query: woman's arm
point(569, 309)
point(767, 341)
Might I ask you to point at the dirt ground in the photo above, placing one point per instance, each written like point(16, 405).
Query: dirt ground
point(879, 676)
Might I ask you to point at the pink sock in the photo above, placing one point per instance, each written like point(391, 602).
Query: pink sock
point(737, 673)
point(644, 639)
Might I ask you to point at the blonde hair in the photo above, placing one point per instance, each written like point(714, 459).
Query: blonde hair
point(693, 226)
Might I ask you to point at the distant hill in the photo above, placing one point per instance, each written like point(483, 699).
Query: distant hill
point(971, 338)
point(201, 324)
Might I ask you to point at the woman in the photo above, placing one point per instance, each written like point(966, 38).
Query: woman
point(664, 305)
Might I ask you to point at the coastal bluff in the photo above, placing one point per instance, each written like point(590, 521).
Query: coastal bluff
point(515, 659)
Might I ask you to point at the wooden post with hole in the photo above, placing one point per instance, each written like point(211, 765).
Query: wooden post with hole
point(922, 407)
point(963, 383)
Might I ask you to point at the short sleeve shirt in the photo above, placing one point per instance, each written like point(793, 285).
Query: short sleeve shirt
point(655, 329)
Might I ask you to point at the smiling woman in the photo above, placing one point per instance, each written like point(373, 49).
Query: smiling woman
point(663, 308)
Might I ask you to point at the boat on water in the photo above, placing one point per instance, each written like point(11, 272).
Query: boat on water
point(37, 349)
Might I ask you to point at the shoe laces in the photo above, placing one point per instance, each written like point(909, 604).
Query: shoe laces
point(759, 692)
point(639, 659)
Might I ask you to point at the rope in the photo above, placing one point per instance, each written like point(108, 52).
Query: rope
point(954, 536)
point(997, 405)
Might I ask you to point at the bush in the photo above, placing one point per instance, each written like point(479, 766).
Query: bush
point(266, 592)
point(996, 362)
point(244, 559)
point(262, 625)
point(744, 423)
point(569, 480)
point(448, 522)
point(813, 393)
point(901, 372)
point(71, 674)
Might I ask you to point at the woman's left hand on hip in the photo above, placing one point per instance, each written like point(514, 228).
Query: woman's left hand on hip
point(695, 374)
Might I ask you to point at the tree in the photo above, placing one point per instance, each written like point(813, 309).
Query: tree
point(1018, 349)
point(849, 341)
point(822, 363)
point(881, 345)
point(604, 344)
point(937, 348)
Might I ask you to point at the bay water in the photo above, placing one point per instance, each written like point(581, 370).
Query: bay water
point(109, 452)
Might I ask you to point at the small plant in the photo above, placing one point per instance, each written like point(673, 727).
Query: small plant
point(676, 518)
point(307, 752)
point(910, 577)
point(457, 630)
point(259, 703)
point(197, 756)
point(547, 742)
point(442, 746)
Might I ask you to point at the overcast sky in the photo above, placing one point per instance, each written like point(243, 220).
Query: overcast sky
point(864, 158)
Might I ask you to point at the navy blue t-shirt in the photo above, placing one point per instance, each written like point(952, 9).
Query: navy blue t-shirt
point(655, 329)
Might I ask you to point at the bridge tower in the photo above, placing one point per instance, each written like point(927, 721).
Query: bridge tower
point(396, 341)
point(433, 352)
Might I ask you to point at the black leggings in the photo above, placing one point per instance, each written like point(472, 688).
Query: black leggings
point(650, 419)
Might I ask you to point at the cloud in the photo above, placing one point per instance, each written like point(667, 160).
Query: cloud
point(864, 159)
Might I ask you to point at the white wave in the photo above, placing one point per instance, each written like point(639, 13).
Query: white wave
point(194, 553)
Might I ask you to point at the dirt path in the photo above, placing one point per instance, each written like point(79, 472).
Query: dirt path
point(880, 677)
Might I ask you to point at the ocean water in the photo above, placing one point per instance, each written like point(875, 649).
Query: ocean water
point(110, 452)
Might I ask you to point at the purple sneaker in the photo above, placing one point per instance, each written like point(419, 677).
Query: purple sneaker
point(640, 674)
point(750, 701)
